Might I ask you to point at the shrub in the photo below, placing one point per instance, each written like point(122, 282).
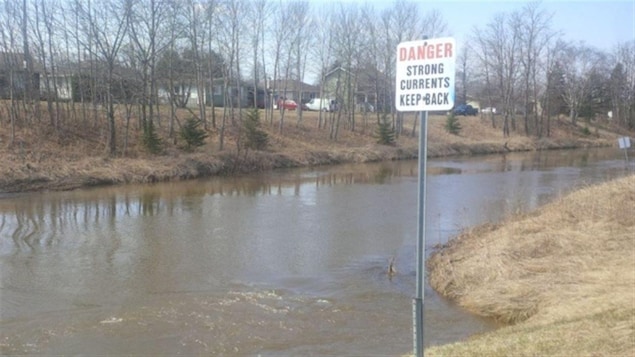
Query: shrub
point(452, 124)
point(193, 135)
point(385, 131)
point(151, 139)
point(255, 138)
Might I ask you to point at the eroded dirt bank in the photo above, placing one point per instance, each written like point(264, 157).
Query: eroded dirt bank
point(40, 161)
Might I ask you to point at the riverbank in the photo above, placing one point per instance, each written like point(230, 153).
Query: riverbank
point(562, 277)
point(43, 159)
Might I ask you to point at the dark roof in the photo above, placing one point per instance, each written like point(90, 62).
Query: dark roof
point(365, 78)
point(15, 61)
point(293, 85)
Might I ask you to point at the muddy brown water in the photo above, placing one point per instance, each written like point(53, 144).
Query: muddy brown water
point(283, 263)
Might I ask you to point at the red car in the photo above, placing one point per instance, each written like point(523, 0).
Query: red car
point(287, 104)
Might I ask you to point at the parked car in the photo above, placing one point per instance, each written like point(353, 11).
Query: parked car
point(318, 104)
point(366, 107)
point(488, 110)
point(465, 109)
point(286, 104)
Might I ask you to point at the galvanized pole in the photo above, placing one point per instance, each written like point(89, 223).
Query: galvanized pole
point(421, 234)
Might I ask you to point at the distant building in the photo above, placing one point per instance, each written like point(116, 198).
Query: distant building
point(14, 76)
point(369, 88)
point(295, 90)
point(187, 95)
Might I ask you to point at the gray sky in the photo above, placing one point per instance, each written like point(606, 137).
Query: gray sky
point(601, 24)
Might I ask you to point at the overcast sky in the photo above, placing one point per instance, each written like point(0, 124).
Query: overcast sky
point(601, 24)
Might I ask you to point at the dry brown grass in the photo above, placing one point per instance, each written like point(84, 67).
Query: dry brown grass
point(564, 275)
point(41, 157)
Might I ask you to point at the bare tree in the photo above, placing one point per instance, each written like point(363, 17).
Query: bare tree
point(622, 85)
point(230, 31)
point(282, 31)
point(279, 33)
point(258, 11)
point(401, 23)
point(79, 46)
point(31, 98)
point(478, 48)
point(174, 73)
point(195, 36)
point(433, 24)
point(150, 38)
point(534, 35)
point(45, 51)
point(462, 72)
point(581, 61)
point(498, 43)
point(303, 25)
point(553, 87)
point(9, 34)
point(183, 43)
point(374, 78)
point(348, 47)
point(267, 13)
point(323, 54)
point(107, 25)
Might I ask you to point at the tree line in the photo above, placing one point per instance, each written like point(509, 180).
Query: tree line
point(521, 65)
point(118, 56)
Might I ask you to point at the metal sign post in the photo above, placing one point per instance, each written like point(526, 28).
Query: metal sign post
point(425, 74)
point(421, 235)
point(625, 143)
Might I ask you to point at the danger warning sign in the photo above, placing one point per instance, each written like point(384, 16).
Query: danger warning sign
point(425, 75)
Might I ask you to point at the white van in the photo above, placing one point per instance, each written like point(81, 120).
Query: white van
point(318, 104)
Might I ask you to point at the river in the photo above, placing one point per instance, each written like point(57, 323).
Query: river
point(291, 262)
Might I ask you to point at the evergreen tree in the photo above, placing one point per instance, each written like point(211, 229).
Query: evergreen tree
point(151, 139)
point(452, 124)
point(385, 131)
point(255, 138)
point(193, 135)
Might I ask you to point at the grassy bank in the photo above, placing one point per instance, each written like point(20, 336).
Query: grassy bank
point(562, 277)
point(41, 158)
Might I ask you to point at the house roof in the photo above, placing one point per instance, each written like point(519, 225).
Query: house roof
point(293, 85)
point(15, 61)
point(366, 78)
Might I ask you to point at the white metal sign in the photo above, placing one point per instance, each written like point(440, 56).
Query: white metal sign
point(425, 75)
point(625, 142)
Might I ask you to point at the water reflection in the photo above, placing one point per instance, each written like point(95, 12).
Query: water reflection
point(87, 207)
point(36, 221)
point(30, 215)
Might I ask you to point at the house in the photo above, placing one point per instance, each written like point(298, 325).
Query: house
point(475, 103)
point(93, 82)
point(61, 84)
point(57, 84)
point(295, 90)
point(13, 69)
point(15, 76)
point(369, 88)
point(186, 94)
point(229, 94)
